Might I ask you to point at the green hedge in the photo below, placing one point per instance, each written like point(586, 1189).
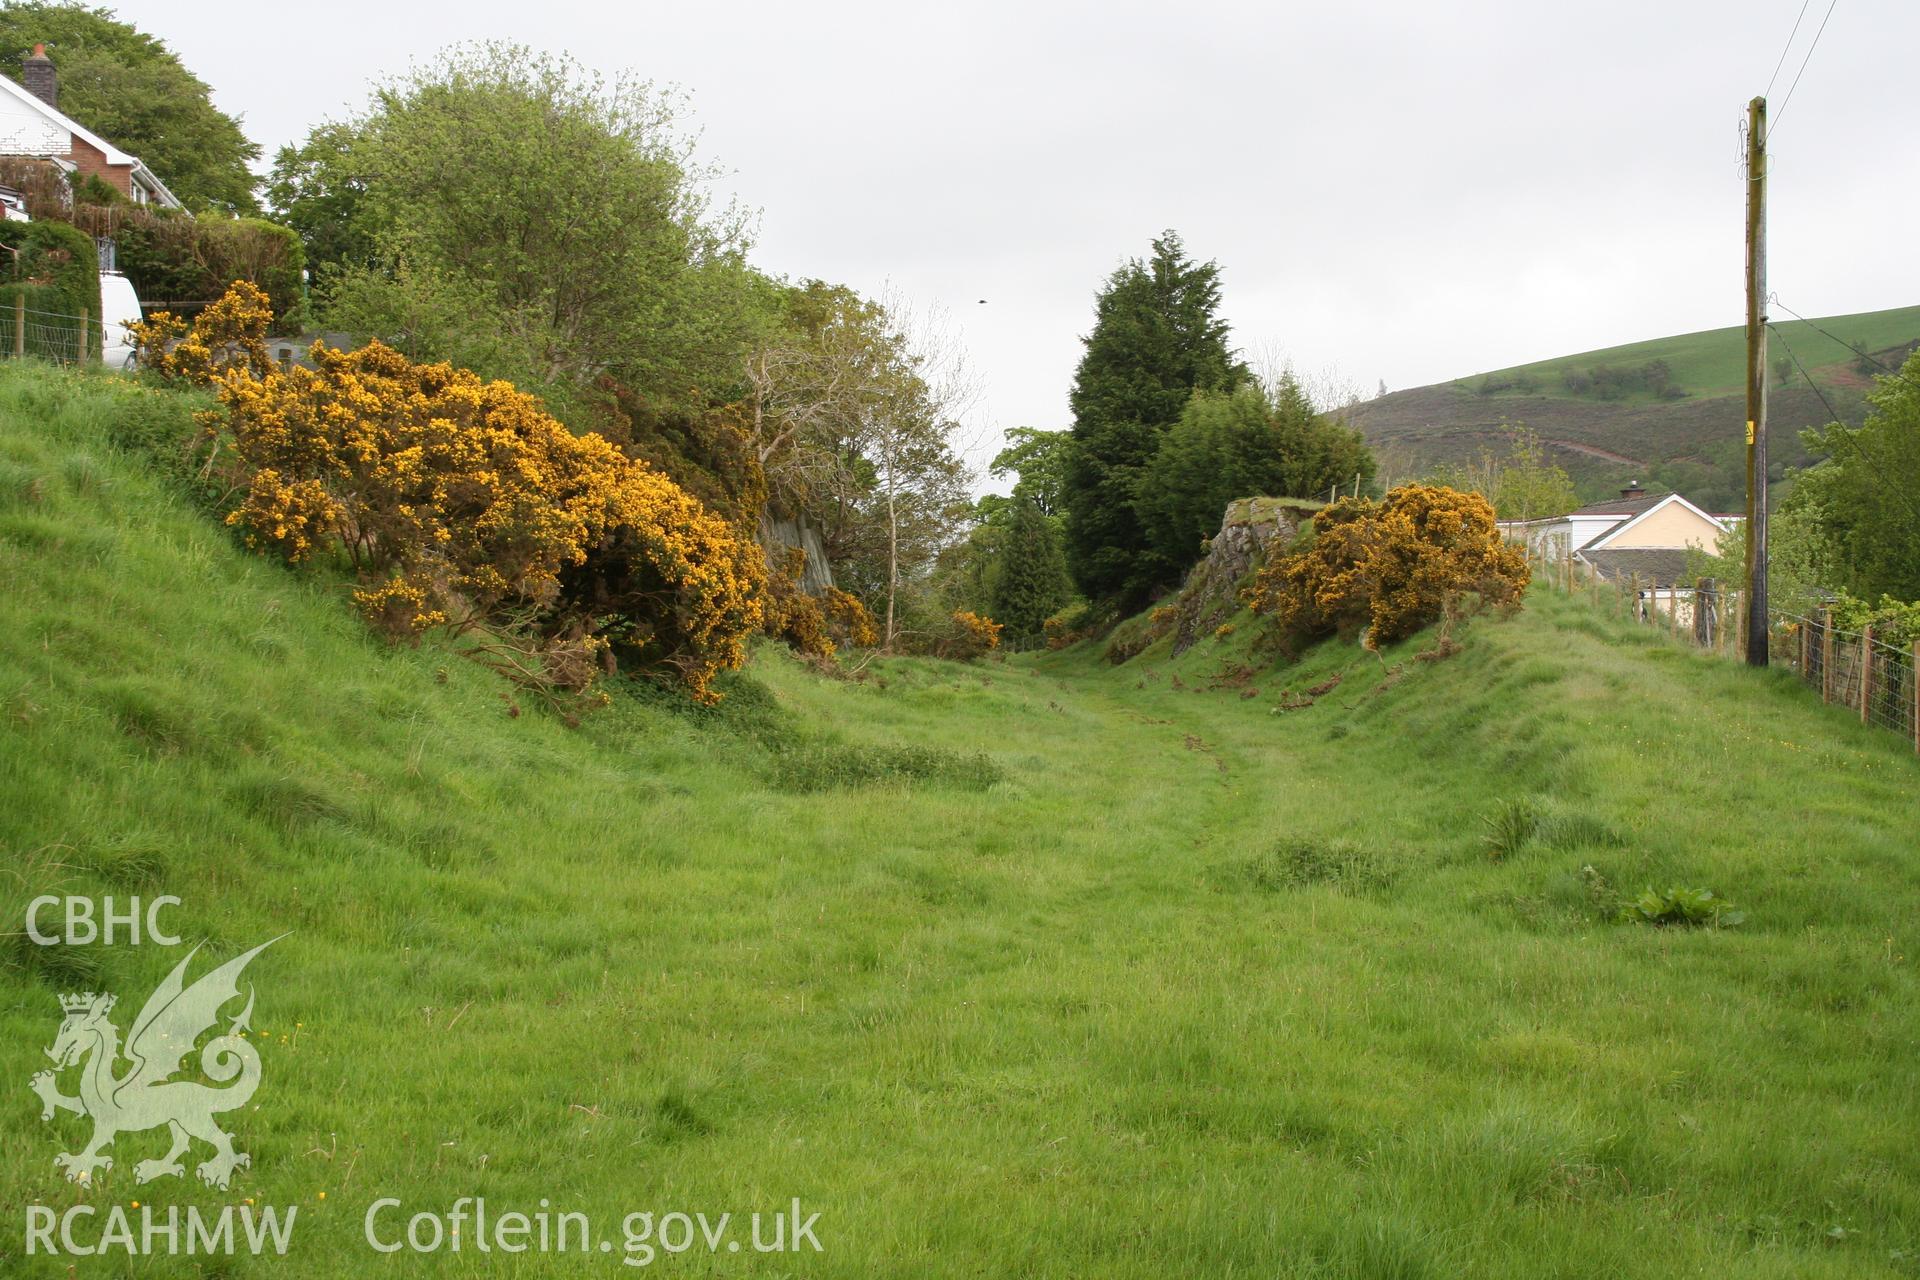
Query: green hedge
point(56, 266)
point(176, 257)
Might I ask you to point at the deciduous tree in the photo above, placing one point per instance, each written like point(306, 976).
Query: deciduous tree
point(535, 221)
point(1252, 441)
point(1866, 490)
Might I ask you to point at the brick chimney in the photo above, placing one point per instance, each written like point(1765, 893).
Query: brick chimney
point(39, 76)
point(1633, 490)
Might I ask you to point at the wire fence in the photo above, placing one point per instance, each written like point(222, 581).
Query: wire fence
point(1857, 669)
point(49, 335)
point(1869, 675)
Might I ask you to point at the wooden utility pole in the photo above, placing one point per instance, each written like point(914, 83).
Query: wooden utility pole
point(1757, 383)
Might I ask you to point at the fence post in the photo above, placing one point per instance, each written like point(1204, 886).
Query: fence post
point(1673, 610)
point(20, 326)
point(1866, 670)
point(80, 356)
point(1826, 655)
point(1802, 629)
point(1634, 581)
point(1915, 682)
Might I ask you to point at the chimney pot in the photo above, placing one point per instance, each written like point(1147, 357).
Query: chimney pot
point(39, 77)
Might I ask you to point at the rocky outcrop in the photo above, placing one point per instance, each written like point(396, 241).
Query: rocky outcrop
point(1250, 530)
point(777, 533)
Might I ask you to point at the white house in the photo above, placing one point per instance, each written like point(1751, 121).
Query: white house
point(1634, 534)
point(32, 125)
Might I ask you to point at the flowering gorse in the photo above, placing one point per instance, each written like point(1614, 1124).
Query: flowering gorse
point(1391, 567)
point(461, 504)
point(229, 335)
point(971, 635)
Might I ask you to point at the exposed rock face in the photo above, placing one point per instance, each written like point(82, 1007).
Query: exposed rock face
point(777, 533)
point(1250, 530)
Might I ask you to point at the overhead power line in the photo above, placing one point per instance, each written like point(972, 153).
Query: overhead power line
point(1803, 67)
point(1815, 325)
point(1787, 48)
point(1845, 432)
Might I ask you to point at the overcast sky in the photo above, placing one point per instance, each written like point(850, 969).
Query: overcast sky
point(1404, 192)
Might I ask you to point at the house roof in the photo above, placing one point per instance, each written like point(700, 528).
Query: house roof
point(113, 154)
point(1656, 566)
point(1673, 499)
point(1622, 506)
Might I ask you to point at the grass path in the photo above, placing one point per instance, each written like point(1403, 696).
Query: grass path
point(1195, 987)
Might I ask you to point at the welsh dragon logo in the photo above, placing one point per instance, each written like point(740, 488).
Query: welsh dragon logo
point(142, 1097)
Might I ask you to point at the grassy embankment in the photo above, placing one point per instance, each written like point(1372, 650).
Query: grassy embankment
point(1171, 983)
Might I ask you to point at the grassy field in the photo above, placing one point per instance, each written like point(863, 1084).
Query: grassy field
point(1046, 967)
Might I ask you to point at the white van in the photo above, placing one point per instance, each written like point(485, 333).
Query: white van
point(119, 307)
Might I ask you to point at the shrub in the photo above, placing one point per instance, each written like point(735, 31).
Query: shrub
point(848, 621)
point(968, 636)
point(461, 505)
point(706, 450)
point(1069, 627)
point(789, 613)
point(176, 256)
point(56, 267)
point(813, 625)
point(1391, 567)
point(1893, 621)
point(229, 335)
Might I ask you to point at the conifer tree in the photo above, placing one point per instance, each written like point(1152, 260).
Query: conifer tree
point(1031, 584)
point(1157, 336)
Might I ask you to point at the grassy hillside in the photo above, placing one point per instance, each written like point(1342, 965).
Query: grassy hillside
point(1694, 443)
point(1049, 967)
point(1714, 361)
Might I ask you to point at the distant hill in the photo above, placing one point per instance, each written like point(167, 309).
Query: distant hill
point(1617, 414)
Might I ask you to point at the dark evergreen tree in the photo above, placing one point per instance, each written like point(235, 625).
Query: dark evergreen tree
point(1030, 584)
point(1157, 336)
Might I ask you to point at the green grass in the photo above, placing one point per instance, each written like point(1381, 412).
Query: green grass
point(1714, 361)
point(1046, 967)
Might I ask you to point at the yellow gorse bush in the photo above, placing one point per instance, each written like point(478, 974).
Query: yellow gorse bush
point(462, 504)
point(972, 634)
point(813, 625)
point(848, 618)
point(231, 334)
point(1391, 567)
